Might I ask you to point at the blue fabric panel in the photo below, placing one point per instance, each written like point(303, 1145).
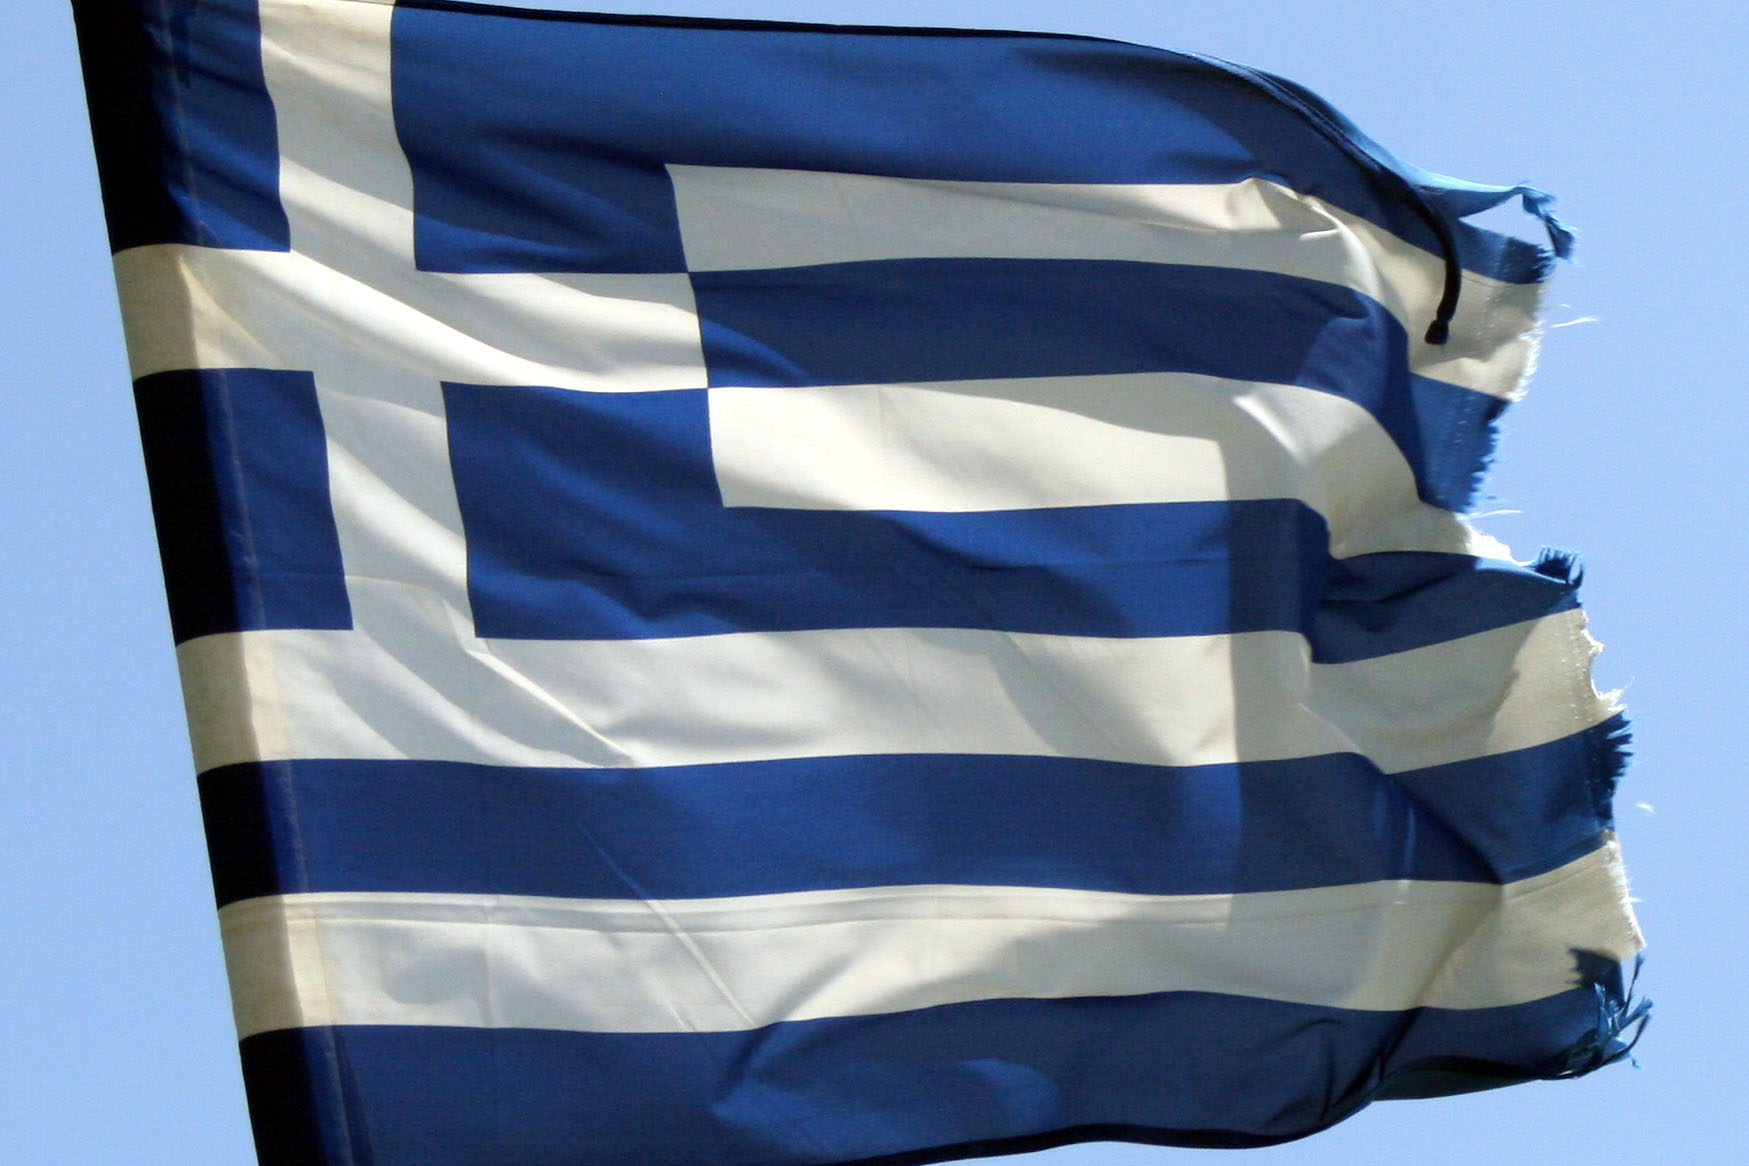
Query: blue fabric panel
point(563, 171)
point(768, 827)
point(1448, 434)
point(962, 319)
point(597, 516)
point(304, 1103)
point(967, 319)
point(1505, 257)
point(1187, 1069)
point(1394, 601)
point(238, 468)
point(187, 146)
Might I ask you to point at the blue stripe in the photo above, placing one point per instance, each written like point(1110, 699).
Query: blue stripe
point(563, 170)
point(187, 145)
point(966, 319)
point(1447, 433)
point(898, 321)
point(597, 516)
point(1376, 604)
point(750, 828)
point(1003, 1075)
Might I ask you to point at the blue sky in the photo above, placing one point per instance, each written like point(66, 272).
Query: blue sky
point(1631, 449)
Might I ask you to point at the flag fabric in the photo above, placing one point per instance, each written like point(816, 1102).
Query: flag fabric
point(777, 594)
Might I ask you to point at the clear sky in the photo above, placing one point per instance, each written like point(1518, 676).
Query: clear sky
point(116, 1042)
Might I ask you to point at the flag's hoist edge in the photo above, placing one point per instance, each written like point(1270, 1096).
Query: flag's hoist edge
point(399, 966)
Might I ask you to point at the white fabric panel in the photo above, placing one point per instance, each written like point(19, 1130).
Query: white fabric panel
point(1473, 697)
point(732, 218)
point(717, 965)
point(345, 186)
point(395, 512)
point(414, 690)
point(1076, 441)
point(199, 307)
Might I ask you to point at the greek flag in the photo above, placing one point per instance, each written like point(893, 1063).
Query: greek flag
point(778, 594)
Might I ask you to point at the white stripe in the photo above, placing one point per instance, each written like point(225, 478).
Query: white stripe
point(411, 691)
point(1076, 441)
point(733, 218)
point(718, 965)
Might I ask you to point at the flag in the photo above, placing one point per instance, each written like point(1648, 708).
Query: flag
point(786, 594)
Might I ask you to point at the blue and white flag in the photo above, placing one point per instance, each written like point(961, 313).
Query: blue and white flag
point(772, 594)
